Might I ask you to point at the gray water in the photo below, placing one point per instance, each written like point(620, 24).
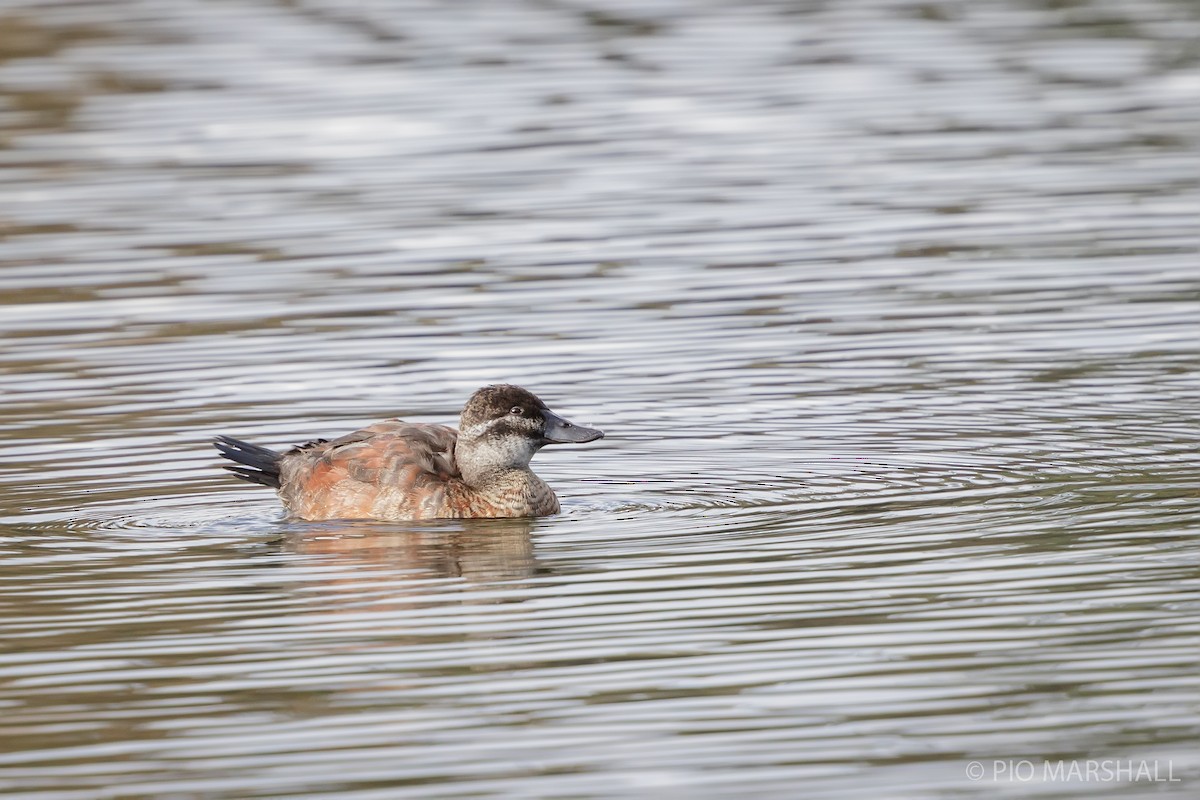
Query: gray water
point(890, 310)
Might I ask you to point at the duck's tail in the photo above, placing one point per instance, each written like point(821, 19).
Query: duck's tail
point(258, 464)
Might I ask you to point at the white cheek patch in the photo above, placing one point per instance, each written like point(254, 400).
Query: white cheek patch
point(478, 429)
point(485, 452)
point(513, 451)
point(483, 428)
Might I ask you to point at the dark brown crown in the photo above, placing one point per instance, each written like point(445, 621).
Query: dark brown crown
point(493, 402)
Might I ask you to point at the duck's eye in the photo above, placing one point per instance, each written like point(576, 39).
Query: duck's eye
point(515, 410)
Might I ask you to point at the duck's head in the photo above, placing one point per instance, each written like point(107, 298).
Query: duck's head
point(502, 427)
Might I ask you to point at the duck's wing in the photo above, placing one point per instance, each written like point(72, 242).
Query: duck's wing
point(390, 469)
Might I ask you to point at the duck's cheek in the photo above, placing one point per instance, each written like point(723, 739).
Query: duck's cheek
point(524, 449)
point(507, 452)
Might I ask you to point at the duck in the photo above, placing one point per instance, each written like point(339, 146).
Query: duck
point(399, 471)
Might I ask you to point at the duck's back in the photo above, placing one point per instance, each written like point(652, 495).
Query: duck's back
point(390, 470)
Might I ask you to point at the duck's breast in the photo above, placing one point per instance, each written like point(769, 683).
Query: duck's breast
point(518, 494)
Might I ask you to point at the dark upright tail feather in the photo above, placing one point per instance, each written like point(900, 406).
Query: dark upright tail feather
point(259, 465)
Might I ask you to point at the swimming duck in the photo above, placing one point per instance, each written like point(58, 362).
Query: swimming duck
point(395, 470)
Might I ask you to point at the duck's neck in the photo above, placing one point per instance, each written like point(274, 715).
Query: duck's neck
point(486, 461)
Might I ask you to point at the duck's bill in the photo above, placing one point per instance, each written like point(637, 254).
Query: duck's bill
point(563, 431)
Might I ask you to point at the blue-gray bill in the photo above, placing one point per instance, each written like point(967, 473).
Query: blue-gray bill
point(563, 431)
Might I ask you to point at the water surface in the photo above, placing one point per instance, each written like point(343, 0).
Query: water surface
point(889, 311)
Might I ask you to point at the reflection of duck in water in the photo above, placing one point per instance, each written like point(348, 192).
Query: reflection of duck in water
point(396, 470)
point(479, 551)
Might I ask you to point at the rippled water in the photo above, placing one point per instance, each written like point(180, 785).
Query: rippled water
point(890, 311)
